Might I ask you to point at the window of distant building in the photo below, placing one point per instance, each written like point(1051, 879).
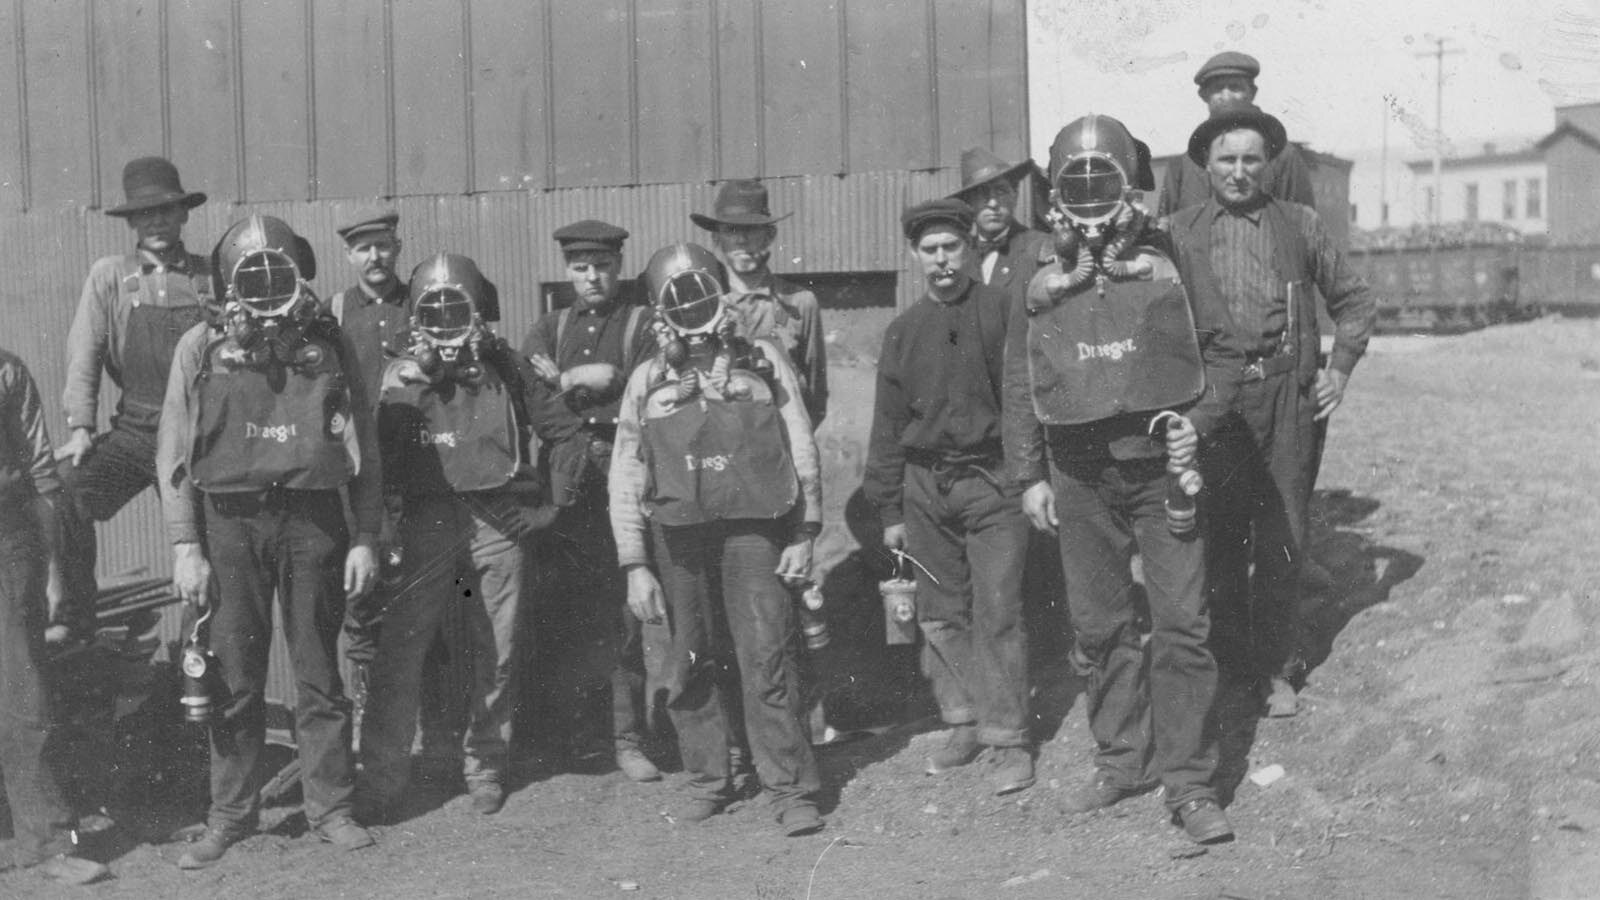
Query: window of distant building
point(1470, 213)
point(1535, 198)
point(1429, 204)
point(1508, 202)
point(1352, 214)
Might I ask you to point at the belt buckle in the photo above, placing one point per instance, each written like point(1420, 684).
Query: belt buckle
point(1253, 371)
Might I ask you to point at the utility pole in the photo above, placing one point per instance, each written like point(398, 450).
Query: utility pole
point(1436, 208)
point(1383, 169)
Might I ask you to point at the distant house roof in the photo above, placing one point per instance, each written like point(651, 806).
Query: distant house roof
point(1567, 129)
point(1493, 153)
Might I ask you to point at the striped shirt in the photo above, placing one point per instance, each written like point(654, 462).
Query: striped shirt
point(1241, 254)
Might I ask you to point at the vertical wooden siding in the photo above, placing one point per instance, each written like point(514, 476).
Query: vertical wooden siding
point(284, 100)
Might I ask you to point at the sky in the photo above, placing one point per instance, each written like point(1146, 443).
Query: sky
point(1333, 71)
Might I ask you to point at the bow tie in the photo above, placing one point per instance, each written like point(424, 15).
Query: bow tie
point(985, 246)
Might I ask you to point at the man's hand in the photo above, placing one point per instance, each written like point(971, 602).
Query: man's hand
point(1330, 391)
point(894, 537)
point(521, 519)
point(794, 565)
point(1039, 505)
point(1183, 442)
point(360, 570)
point(191, 575)
point(546, 369)
point(76, 446)
point(597, 377)
point(645, 599)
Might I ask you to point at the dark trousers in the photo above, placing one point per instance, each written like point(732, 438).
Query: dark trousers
point(1257, 506)
point(40, 817)
point(743, 556)
point(1147, 705)
point(455, 554)
point(292, 544)
point(972, 537)
point(585, 606)
point(121, 464)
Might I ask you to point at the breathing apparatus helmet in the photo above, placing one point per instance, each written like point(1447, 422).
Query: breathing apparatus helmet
point(261, 269)
point(450, 303)
point(1095, 166)
point(685, 286)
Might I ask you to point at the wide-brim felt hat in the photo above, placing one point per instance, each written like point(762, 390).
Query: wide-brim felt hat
point(1241, 115)
point(742, 202)
point(980, 167)
point(150, 182)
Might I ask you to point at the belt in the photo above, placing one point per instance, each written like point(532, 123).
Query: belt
point(947, 470)
point(1267, 367)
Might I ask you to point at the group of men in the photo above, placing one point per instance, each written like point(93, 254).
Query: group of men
point(1145, 386)
point(1082, 381)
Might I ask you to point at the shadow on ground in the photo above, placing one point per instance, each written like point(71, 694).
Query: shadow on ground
point(1361, 574)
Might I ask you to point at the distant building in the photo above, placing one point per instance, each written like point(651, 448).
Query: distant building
point(1504, 184)
point(1572, 157)
point(1546, 185)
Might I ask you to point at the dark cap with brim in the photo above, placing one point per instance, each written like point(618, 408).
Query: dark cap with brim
point(1228, 62)
point(368, 225)
point(151, 182)
point(917, 219)
point(1239, 116)
point(591, 235)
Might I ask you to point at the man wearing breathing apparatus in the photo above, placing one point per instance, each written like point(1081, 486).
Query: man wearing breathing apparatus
point(715, 502)
point(453, 433)
point(265, 418)
point(1101, 357)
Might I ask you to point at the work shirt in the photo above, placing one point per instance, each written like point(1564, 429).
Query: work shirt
point(938, 390)
point(27, 463)
point(629, 474)
point(115, 287)
point(593, 334)
point(575, 427)
point(1285, 176)
point(1241, 250)
point(180, 499)
point(789, 316)
point(379, 327)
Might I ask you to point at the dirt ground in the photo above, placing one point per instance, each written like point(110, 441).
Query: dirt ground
point(1447, 747)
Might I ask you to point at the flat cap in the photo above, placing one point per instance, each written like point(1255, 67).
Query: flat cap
point(1228, 62)
point(916, 219)
point(590, 234)
point(369, 224)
